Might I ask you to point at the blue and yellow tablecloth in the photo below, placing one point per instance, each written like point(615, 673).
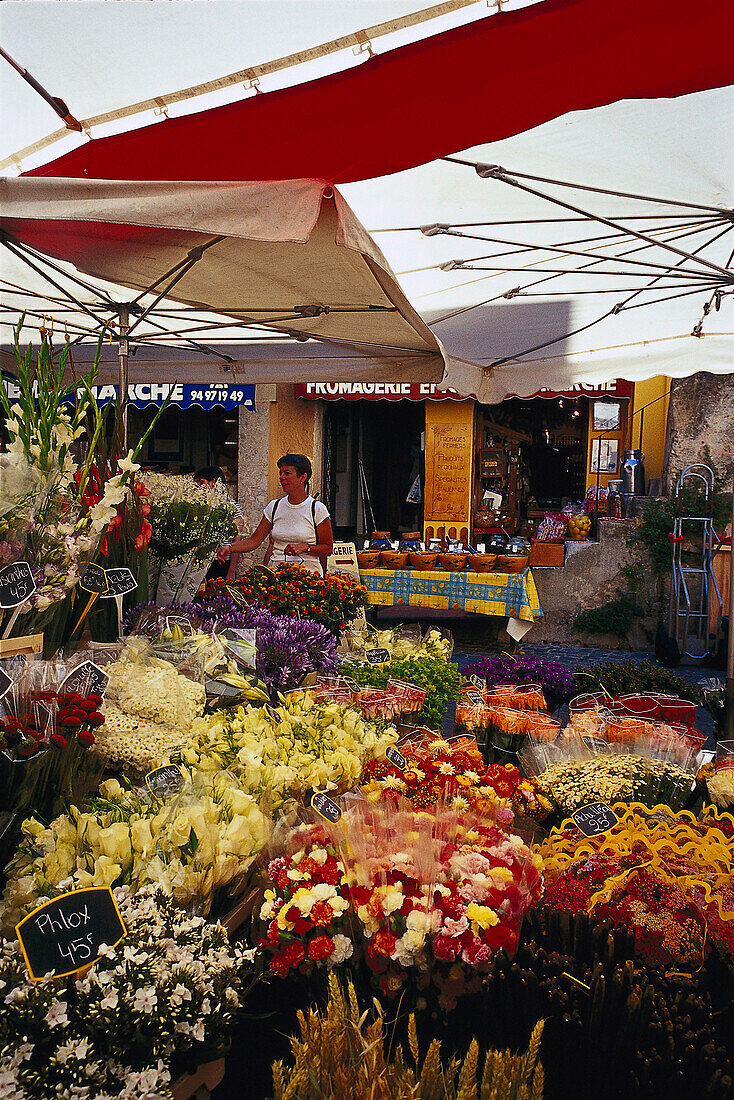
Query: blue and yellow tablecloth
point(511, 594)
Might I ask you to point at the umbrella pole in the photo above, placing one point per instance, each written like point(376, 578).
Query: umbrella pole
point(123, 348)
point(729, 712)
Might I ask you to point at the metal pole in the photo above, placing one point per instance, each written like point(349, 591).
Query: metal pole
point(729, 712)
point(124, 353)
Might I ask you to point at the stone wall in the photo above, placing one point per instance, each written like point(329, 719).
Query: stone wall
point(700, 417)
point(591, 577)
point(252, 477)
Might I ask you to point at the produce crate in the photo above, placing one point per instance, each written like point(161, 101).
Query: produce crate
point(550, 554)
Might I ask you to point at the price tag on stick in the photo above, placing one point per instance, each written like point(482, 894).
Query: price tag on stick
point(120, 581)
point(377, 656)
point(325, 807)
point(64, 935)
point(94, 579)
point(87, 679)
point(165, 781)
point(395, 757)
point(16, 584)
point(595, 818)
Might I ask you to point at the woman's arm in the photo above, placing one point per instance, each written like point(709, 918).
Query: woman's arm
point(244, 546)
point(320, 549)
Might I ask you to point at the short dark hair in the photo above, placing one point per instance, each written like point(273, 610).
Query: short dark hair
point(209, 473)
point(300, 463)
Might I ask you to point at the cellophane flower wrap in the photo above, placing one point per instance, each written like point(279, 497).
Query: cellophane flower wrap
point(67, 519)
point(161, 1002)
point(197, 845)
point(188, 522)
point(283, 752)
point(668, 877)
point(47, 756)
point(432, 894)
point(306, 913)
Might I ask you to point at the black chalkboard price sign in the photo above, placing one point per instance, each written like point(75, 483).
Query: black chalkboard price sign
point(93, 579)
point(478, 682)
point(5, 683)
point(595, 818)
point(475, 698)
point(120, 581)
point(377, 656)
point(395, 757)
point(87, 678)
point(64, 935)
point(237, 596)
point(16, 584)
point(325, 807)
point(165, 781)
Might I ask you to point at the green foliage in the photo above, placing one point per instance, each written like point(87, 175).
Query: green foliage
point(615, 617)
point(622, 677)
point(441, 679)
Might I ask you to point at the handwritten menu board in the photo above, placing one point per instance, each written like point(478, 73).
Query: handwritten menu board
point(449, 477)
point(65, 934)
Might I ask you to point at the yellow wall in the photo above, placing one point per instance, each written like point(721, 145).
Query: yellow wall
point(654, 422)
point(449, 465)
point(618, 435)
point(291, 431)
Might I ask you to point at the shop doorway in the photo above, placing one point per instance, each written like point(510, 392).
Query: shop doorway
point(373, 455)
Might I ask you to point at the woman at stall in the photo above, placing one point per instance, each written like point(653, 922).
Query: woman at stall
point(297, 525)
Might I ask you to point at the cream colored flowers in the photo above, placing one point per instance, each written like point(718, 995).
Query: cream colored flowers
point(297, 747)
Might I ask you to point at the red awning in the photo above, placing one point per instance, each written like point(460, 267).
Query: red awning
point(475, 84)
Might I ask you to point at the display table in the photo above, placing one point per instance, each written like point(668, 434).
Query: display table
point(507, 594)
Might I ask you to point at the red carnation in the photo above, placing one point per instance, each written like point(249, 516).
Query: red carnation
point(322, 913)
point(382, 943)
point(58, 740)
point(320, 948)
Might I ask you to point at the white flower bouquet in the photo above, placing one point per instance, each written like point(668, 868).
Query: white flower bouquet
point(151, 1008)
point(189, 522)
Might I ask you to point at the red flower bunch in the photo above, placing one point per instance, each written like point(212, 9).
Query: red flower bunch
point(131, 516)
point(306, 912)
point(437, 770)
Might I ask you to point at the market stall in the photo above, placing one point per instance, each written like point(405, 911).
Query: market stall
point(500, 594)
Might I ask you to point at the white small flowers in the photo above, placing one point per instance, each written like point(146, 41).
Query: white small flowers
point(145, 999)
point(56, 1014)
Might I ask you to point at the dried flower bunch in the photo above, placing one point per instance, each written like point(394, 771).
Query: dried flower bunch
point(165, 997)
point(339, 1054)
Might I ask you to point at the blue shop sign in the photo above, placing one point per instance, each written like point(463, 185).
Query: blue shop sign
point(207, 395)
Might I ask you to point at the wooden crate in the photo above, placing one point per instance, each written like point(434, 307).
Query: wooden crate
point(25, 645)
point(550, 554)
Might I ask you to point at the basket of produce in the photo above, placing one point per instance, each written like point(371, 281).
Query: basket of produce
point(453, 563)
point(422, 560)
point(482, 563)
point(368, 559)
point(515, 557)
point(394, 559)
point(721, 783)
